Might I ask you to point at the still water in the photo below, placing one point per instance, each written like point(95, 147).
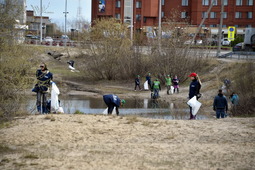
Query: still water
point(140, 107)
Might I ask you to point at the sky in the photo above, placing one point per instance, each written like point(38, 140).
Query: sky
point(57, 7)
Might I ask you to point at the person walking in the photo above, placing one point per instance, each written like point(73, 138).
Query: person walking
point(44, 77)
point(176, 84)
point(194, 90)
point(220, 105)
point(168, 83)
point(234, 98)
point(137, 82)
point(155, 89)
point(148, 78)
point(112, 101)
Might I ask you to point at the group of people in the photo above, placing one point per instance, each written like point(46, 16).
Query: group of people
point(220, 105)
point(155, 85)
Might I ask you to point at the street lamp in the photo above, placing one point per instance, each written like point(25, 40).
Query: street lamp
point(41, 22)
point(65, 15)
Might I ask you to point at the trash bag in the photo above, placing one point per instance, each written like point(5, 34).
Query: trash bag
point(146, 85)
point(105, 112)
point(195, 104)
point(54, 97)
point(172, 89)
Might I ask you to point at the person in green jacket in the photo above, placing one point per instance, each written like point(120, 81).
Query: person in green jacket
point(168, 83)
point(156, 88)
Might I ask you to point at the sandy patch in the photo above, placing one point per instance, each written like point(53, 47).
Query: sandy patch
point(109, 142)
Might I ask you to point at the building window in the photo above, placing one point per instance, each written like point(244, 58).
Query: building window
point(238, 15)
point(184, 14)
point(117, 16)
point(224, 26)
point(185, 2)
point(138, 17)
point(205, 2)
point(138, 4)
point(236, 26)
point(249, 2)
point(225, 2)
point(144, 19)
point(215, 2)
point(117, 4)
point(248, 26)
point(213, 15)
point(239, 2)
point(204, 15)
point(249, 15)
point(162, 14)
point(213, 25)
point(162, 2)
point(225, 15)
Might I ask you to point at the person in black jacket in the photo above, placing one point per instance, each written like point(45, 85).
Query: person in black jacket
point(220, 104)
point(137, 82)
point(194, 89)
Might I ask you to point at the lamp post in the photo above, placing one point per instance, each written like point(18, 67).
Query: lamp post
point(41, 21)
point(65, 15)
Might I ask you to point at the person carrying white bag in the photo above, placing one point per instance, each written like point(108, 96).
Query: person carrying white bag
point(194, 89)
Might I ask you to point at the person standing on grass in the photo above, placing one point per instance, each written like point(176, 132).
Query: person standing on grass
point(44, 77)
point(137, 82)
point(112, 101)
point(156, 88)
point(176, 84)
point(168, 83)
point(194, 89)
point(148, 78)
point(234, 98)
point(220, 105)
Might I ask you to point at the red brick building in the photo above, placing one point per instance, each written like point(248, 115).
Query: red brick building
point(238, 13)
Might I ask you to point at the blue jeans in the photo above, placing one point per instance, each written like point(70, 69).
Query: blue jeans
point(156, 93)
point(220, 113)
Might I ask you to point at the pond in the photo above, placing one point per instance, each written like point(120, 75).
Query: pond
point(141, 107)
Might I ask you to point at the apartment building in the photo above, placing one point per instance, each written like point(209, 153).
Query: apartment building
point(238, 13)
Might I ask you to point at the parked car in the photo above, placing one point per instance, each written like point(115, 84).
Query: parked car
point(196, 42)
point(225, 42)
point(48, 39)
point(239, 47)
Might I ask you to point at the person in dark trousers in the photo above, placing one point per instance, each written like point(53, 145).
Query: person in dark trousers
point(220, 105)
point(176, 84)
point(112, 101)
point(44, 76)
point(155, 89)
point(148, 78)
point(194, 89)
point(137, 82)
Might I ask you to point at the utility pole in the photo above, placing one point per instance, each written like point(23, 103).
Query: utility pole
point(41, 21)
point(159, 25)
point(132, 21)
point(65, 15)
point(220, 29)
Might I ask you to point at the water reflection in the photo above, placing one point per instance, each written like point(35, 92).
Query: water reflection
point(141, 107)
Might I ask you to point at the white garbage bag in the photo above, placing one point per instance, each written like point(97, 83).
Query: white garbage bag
point(172, 89)
point(54, 97)
point(105, 112)
point(195, 104)
point(60, 110)
point(146, 85)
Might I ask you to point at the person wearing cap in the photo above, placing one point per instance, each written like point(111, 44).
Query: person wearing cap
point(220, 105)
point(168, 83)
point(194, 89)
point(112, 101)
point(137, 82)
point(156, 88)
point(148, 78)
point(176, 83)
point(44, 77)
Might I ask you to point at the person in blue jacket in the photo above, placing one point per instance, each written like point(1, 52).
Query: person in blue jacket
point(148, 78)
point(112, 101)
point(220, 105)
point(194, 89)
point(44, 77)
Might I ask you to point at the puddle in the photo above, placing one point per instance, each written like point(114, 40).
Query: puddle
point(140, 107)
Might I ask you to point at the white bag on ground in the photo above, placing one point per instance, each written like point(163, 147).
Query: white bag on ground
point(60, 110)
point(195, 104)
point(172, 89)
point(146, 85)
point(105, 112)
point(54, 97)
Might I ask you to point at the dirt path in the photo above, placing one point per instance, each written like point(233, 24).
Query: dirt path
point(109, 142)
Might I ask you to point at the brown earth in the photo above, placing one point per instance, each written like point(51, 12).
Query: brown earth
point(111, 142)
